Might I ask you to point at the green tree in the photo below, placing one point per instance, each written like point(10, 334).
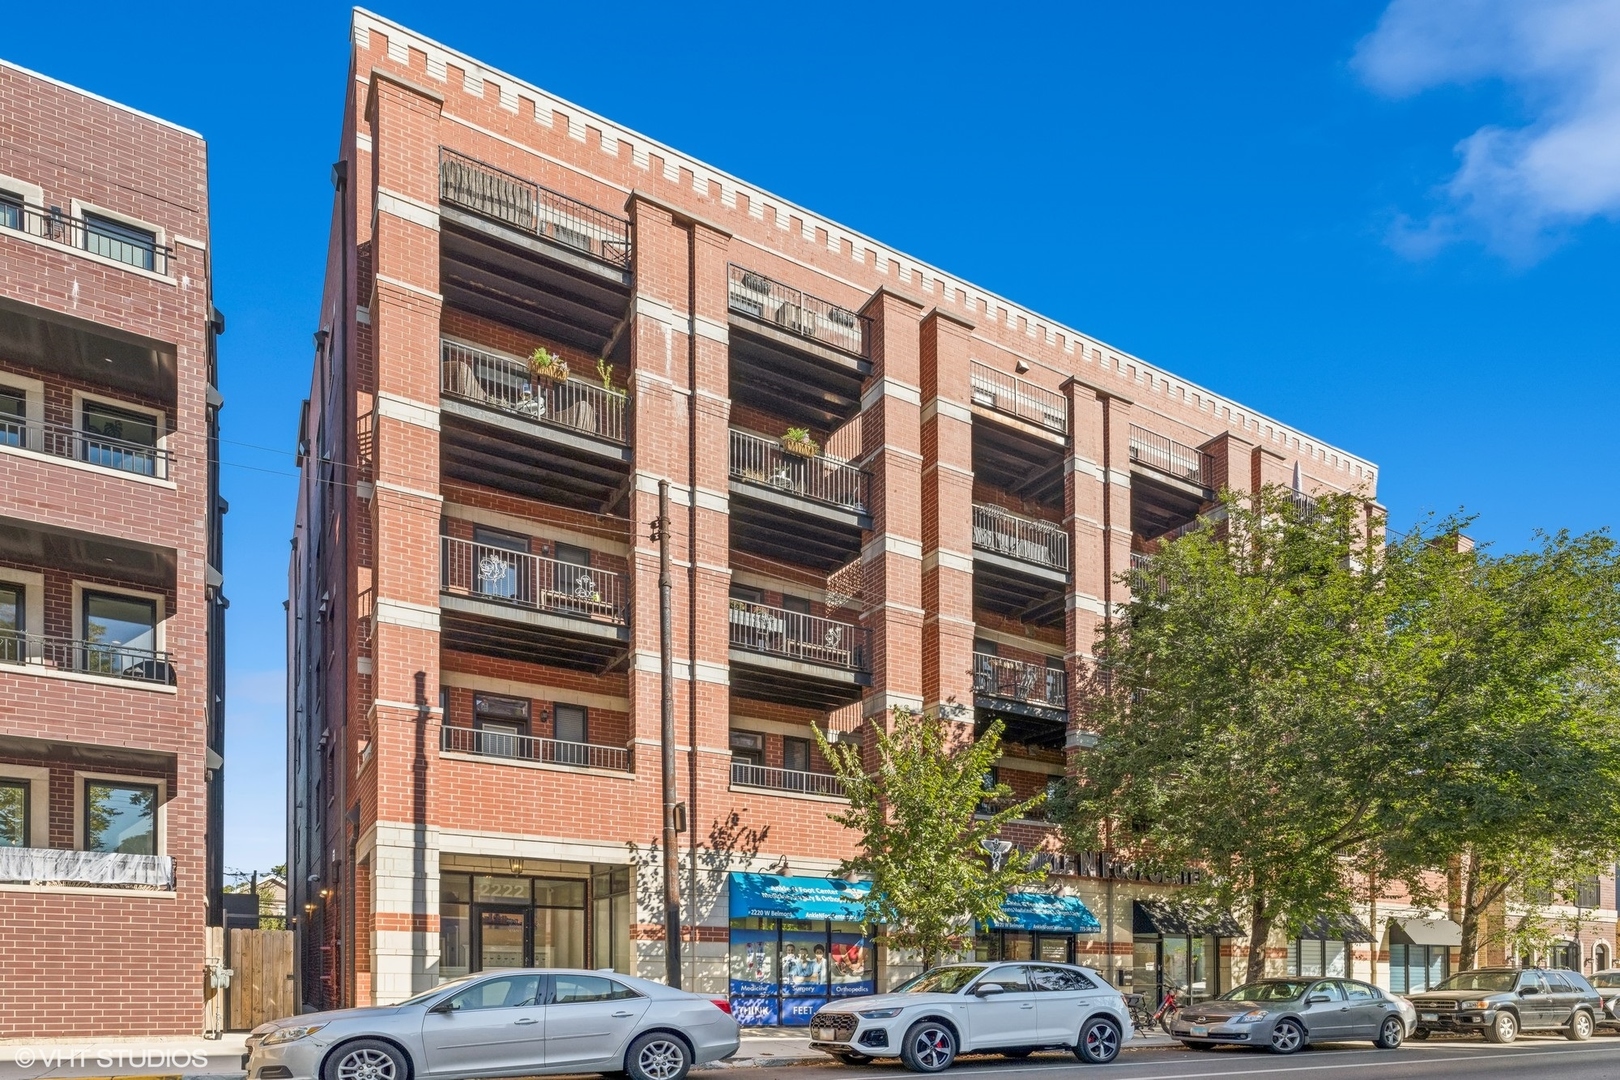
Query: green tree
point(923, 813)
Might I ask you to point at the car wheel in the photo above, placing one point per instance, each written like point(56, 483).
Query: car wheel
point(1391, 1034)
point(657, 1055)
point(1287, 1037)
point(1099, 1042)
point(1421, 1033)
point(929, 1047)
point(853, 1058)
point(365, 1059)
point(1580, 1026)
point(1504, 1030)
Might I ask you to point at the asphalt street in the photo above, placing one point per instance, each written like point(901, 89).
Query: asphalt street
point(1551, 1058)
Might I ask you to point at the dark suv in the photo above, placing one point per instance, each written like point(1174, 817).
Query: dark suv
point(1501, 1002)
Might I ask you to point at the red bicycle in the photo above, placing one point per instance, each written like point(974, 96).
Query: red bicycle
point(1169, 1009)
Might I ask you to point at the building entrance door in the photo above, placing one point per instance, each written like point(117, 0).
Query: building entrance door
point(503, 936)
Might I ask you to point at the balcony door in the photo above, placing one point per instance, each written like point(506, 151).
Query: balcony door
point(120, 633)
point(12, 623)
point(498, 564)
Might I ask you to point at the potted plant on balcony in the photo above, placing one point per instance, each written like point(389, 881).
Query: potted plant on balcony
point(604, 371)
point(544, 364)
point(797, 440)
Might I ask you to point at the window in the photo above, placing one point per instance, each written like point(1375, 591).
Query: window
point(747, 595)
point(796, 755)
point(496, 572)
point(1415, 968)
point(503, 724)
point(13, 417)
point(747, 748)
point(1360, 992)
point(13, 626)
point(572, 554)
point(1309, 956)
point(570, 724)
point(115, 240)
point(120, 634)
point(11, 211)
point(1010, 978)
point(1566, 955)
point(573, 989)
point(507, 992)
point(120, 817)
point(1059, 979)
point(1331, 989)
point(14, 813)
point(1556, 982)
point(117, 438)
point(1588, 893)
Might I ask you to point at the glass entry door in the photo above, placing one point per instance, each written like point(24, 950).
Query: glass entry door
point(503, 935)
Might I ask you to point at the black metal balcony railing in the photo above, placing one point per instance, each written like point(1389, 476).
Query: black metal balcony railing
point(1168, 456)
point(1018, 680)
point(821, 479)
point(523, 204)
point(505, 383)
point(794, 635)
point(531, 581)
point(1139, 559)
point(503, 744)
point(112, 660)
point(60, 227)
point(750, 293)
point(1017, 397)
point(99, 869)
point(59, 440)
point(761, 776)
point(1028, 539)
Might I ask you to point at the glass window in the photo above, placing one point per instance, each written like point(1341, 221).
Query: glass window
point(120, 818)
point(559, 922)
point(498, 569)
point(455, 942)
point(1059, 979)
point(1558, 984)
point(13, 417)
point(944, 980)
point(572, 554)
point(1415, 968)
point(1331, 989)
point(115, 240)
point(11, 212)
point(570, 724)
point(1011, 978)
point(1310, 956)
point(14, 813)
point(12, 628)
point(506, 992)
point(119, 439)
point(120, 632)
point(796, 755)
point(611, 914)
point(748, 747)
point(571, 989)
point(1359, 991)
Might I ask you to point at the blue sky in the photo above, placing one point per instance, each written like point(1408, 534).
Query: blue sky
point(1392, 225)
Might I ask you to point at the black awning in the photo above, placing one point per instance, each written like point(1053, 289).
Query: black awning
point(1425, 932)
point(1182, 920)
point(1343, 927)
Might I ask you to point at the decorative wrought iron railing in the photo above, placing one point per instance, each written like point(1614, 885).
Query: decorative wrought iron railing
point(503, 744)
point(1168, 456)
point(761, 776)
point(763, 461)
point(751, 293)
point(1028, 539)
point(118, 244)
point(1017, 397)
point(497, 574)
point(506, 383)
point(108, 659)
point(523, 204)
point(60, 440)
point(1019, 680)
point(794, 635)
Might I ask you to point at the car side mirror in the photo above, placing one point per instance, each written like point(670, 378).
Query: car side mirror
point(989, 990)
point(444, 1008)
point(1318, 999)
point(1529, 991)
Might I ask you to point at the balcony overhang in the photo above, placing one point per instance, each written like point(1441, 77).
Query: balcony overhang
point(489, 628)
point(1161, 501)
point(86, 351)
point(782, 525)
point(1043, 728)
point(1020, 590)
point(87, 553)
point(794, 682)
point(529, 281)
point(487, 446)
point(90, 755)
point(797, 378)
point(1018, 458)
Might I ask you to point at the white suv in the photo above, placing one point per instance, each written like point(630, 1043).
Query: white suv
point(1011, 1009)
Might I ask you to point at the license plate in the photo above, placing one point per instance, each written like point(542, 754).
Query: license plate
point(1199, 1031)
point(1428, 1016)
point(826, 1034)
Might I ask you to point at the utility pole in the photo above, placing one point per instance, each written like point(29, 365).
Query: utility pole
point(666, 635)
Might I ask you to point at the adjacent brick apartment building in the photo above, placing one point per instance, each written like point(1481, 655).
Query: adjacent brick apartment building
point(532, 316)
point(111, 615)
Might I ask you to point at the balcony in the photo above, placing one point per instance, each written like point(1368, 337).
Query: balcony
point(564, 442)
point(1031, 699)
point(1170, 483)
point(525, 255)
point(1018, 398)
point(98, 869)
point(744, 775)
point(794, 354)
point(112, 242)
point(1020, 565)
point(61, 441)
point(529, 608)
point(807, 510)
point(1026, 540)
point(1170, 457)
point(525, 748)
point(795, 658)
point(107, 661)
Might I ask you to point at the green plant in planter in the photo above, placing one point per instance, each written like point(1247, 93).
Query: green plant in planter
point(604, 371)
point(547, 365)
point(797, 440)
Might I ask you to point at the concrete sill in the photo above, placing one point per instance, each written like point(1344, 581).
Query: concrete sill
point(783, 793)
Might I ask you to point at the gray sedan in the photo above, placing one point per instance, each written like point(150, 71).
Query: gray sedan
point(507, 1023)
point(1284, 1015)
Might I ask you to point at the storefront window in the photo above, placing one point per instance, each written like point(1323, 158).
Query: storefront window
point(559, 923)
point(612, 912)
point(783, 970)
point(1416, 968)
point(1310, 957)
point(455, 913)
point(493, 921)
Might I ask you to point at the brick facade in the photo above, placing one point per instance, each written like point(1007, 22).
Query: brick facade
point(97, 512)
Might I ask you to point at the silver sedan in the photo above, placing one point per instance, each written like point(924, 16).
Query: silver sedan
point(508, 1023)
point(1284, 1015)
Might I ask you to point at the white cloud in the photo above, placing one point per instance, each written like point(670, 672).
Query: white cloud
point(1517, 188)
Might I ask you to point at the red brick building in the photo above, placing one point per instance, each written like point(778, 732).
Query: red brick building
point(531, 317)
point(111, 615)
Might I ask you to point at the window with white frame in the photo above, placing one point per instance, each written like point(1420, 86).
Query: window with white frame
point(120, 437)
point(120, 816)
point(14, 812)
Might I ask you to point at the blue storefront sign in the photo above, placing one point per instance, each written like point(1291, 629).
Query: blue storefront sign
point(781, 974)
point(1046, 912)
point(772, 896)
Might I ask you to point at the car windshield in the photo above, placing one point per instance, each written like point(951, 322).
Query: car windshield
point(426, 994)
point(945, 980)
point(1606, 980)
point(1492, 982)
point(1271, 990)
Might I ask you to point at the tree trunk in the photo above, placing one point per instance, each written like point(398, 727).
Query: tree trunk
point(1259, 932)
point(1468, 915)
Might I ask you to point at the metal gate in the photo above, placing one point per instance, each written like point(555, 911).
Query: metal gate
point(262, 981)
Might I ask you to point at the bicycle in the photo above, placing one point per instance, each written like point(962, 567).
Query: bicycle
point(1169, 1009)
